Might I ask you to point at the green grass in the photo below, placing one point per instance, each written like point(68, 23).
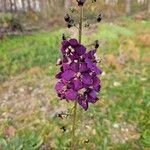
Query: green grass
point(21, 53)
point(127, 103)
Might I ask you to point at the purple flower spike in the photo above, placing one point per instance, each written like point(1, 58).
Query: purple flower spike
point(78, 78)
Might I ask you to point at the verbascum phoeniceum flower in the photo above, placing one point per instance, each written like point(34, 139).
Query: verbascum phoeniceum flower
point(78, 79)
point(78, 76)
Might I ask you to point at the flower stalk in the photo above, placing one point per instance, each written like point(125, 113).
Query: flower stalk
point(78, 76)
point(75, 103)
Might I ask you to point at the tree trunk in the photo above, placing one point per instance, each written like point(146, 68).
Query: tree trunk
point(11, 5)
point(43, 9)
point(34, 5)
point(23, 5)
point(29, 4)
point(15, 5)
point(128, 6)
point(4, 6)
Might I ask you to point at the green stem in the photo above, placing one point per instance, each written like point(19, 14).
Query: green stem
point(73, 142)
point(80, 24)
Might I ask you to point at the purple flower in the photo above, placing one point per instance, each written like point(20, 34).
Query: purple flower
point(78, 80)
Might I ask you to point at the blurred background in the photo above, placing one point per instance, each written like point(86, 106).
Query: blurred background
point(31, 115)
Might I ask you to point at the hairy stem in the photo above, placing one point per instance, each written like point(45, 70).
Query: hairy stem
point(73, 144)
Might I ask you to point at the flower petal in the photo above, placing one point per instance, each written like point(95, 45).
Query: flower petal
point(83, 67)
point(59, 86)
point(80, 50)
point(74, 66)
point(87, 79)
point(77, 84)
point(89, 62)
point(66, 67)
point(71, 95)
point(96, 69)
point(91, 54)
point(65, 45)
point(96, 84)
point(83, 103)
point(73, 56)
point(92, 97)
point(65, 59)
point(73, 42)
point(58, 75)
point(92, 66)
point(68, 74)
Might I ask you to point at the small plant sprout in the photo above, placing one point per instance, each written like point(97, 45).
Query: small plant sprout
point(78, 76)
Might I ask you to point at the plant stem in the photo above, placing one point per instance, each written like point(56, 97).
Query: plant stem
point(80, 24)
point(73, 126)
point(73, 144)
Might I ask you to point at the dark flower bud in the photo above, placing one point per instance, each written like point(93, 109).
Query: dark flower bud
point(80, 2)
point(63, 128)
point(96, 44)
point(63, 37)
point(99, 18)
point(70, 23)
point(86, 25)
point(67, 18)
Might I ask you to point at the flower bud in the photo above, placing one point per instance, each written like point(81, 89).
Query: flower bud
point(70, 23)
point(67, 18)
point(63, 37)
point(96, 44)
point(99, 18)
point(80, 2)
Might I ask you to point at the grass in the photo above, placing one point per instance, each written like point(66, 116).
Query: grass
point(119, 121)
point(22, 53)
